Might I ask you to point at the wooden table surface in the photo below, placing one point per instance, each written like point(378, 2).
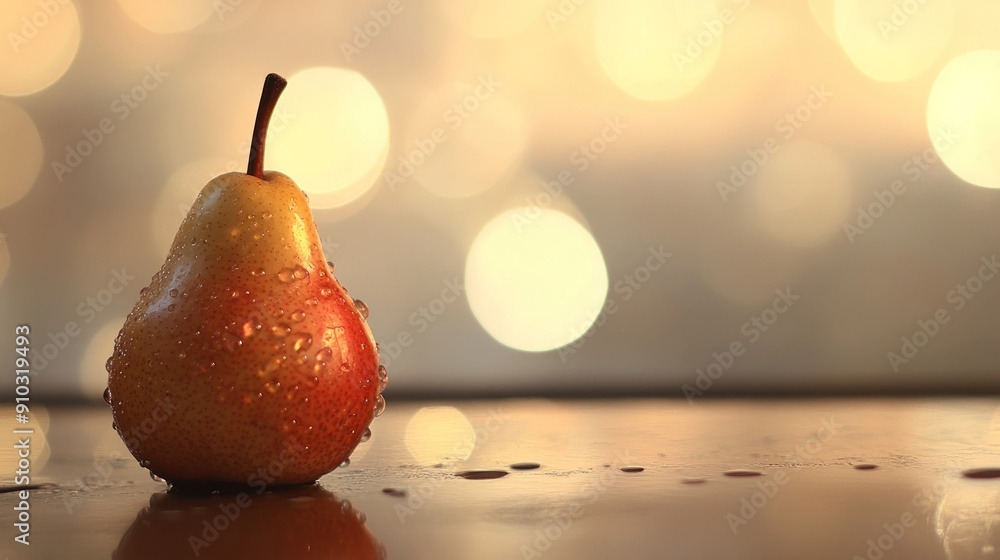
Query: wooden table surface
point(839, 478)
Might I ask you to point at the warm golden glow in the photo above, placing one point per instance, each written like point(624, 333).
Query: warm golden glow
point(93, 376)
point(535, 279)
point(439, 434)
point(168, 17)
point(658, 49)
point(963, 117)
point(42, 39)
point(335, 138)
point(894, 41)
point(803, 196)
point(493, 18)
point(20, 152)
point(462, 140)
point(822, 10)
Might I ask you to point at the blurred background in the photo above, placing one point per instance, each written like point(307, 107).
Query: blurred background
point(535, 196)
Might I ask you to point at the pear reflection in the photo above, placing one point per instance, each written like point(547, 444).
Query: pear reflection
point(303, 522)
point(968, 520)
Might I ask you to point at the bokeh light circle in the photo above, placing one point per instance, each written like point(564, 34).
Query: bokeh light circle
point(20, 152)
point(963, 117)
point(42, 41)
point(535, 279)
point(439, 434)
point(334, 138)
point(93, 374)
point(169, 17)
point(658, 49)
point(177, 197)
point(462, 140)
point(803, 196)
point(894, 41)
point(822, 11)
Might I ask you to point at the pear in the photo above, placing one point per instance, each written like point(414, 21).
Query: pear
point(245, 362)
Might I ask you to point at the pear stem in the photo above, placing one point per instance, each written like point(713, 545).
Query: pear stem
point(273, 86)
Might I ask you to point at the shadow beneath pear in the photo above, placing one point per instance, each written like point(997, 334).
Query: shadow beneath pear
point(299, 522)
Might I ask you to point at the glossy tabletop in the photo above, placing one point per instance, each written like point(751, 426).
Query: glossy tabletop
point(525, 478)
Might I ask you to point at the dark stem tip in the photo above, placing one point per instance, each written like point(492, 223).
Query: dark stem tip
point(273, 86)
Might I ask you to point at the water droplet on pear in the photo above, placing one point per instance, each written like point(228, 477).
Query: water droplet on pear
point(383, 378)
point(362, 308)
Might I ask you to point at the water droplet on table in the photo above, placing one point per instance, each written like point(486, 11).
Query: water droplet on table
point(865, 467)
point(525, 466)
point(742, 473)
point(481, 474)
point(982, 473)
point(394, 492)
point(632, 469)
